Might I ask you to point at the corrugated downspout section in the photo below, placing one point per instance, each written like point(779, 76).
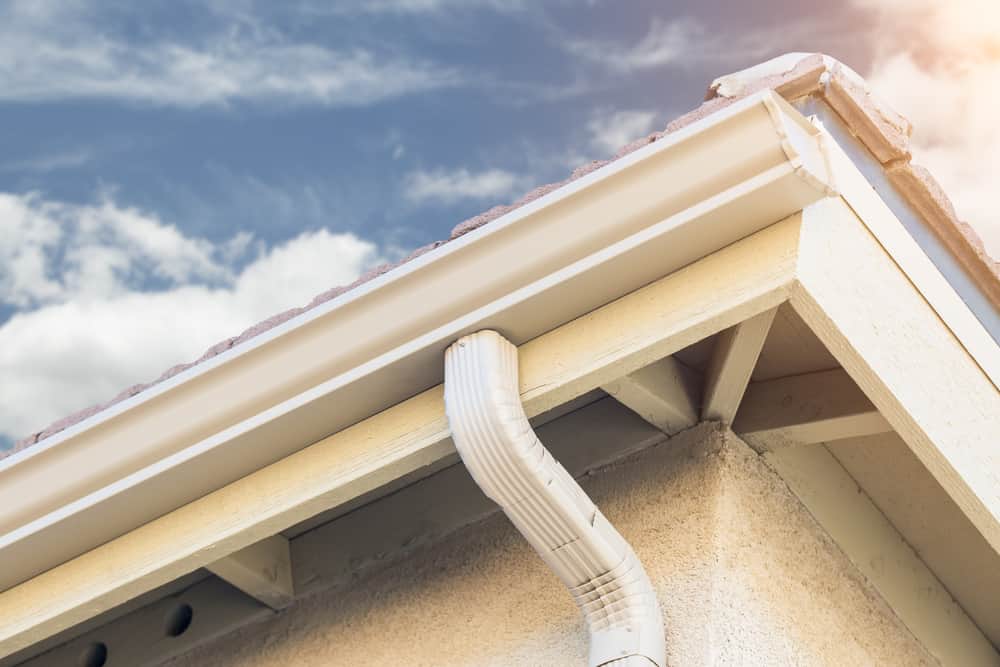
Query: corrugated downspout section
point(545, 503)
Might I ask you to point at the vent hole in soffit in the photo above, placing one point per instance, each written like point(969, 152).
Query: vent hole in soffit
point(179, 620)
point(95, 655)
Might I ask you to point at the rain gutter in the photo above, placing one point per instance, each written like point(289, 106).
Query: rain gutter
point(645, 215)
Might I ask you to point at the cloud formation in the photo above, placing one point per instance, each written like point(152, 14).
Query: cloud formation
point(416, 6)
point(610, 130)
point(666, 43)
point(52, 252)
point(89, 329)
point(455, 185)
point(939, 64)
point(55, 54)
point(48, 162)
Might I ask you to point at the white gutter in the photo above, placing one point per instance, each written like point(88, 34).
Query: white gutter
point(600, 237)
point(505, 457)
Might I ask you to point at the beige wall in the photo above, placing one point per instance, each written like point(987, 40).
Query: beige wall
point(745, 576)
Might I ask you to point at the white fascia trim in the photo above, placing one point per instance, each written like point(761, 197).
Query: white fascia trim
point(640, 218)
point(511, 465)
point(957, 302)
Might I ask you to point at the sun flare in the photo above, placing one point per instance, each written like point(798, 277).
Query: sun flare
point(939, 64)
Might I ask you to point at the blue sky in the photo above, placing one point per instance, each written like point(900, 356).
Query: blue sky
point(174, 172)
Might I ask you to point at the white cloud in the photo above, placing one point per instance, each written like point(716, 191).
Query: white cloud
point(609, 131)
point(50, 251)
point(46, 55)
point(688, 43)
point(78, 347)
point(665, 43)
point(939, 65)
point(936, 62)
point(459, 184)
point(674, 42)
point(412, 6)
point(46, 162)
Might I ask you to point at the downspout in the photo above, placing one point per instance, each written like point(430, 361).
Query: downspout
point(510, 464)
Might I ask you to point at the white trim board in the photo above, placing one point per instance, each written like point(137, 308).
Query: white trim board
point(895, 346)
point(907, 254)
point(664, 394)
point(806, 409)
point(882, 189)
point(733, 360)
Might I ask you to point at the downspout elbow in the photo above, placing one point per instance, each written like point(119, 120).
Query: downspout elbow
point(555, 515)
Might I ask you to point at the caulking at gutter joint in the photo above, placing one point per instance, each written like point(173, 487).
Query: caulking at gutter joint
point(510, 464)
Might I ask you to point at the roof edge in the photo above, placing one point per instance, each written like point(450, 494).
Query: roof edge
point(882, 130)
point(794, 76)
point(756, 162)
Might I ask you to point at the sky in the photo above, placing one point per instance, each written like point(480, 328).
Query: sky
point(173, 172)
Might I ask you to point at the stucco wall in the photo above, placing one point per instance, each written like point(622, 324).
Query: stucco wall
point(744, 575)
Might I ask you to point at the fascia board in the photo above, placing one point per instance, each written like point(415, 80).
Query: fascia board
point(603, 236)
point(881, 187)
point(851, 291)
point(967, 322)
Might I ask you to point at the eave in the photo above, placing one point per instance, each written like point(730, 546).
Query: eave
point(625, 285)
point(547, 263)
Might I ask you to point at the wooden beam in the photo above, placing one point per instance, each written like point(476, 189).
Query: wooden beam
point(665, 394)
point(262, 570)
point(740, 281)
point(733, 361)
point(894, 345)
point(806, 409)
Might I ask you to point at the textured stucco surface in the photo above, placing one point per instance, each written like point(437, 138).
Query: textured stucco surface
point(744, 574)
